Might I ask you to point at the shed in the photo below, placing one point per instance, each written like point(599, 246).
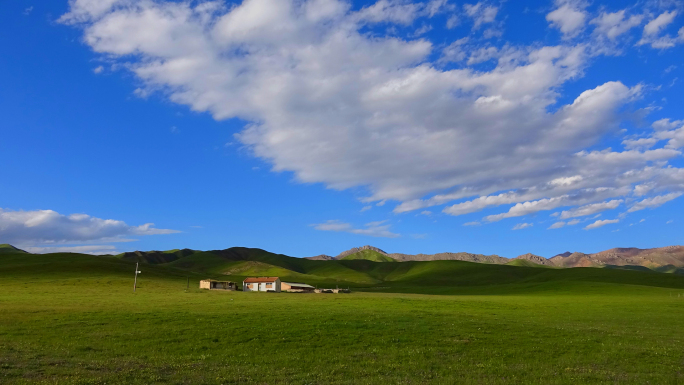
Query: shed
point(261, 284)
point(294, 287)
point(217, 285)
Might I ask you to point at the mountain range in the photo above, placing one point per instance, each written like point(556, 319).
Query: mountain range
point(239, 260)
point(666, 259)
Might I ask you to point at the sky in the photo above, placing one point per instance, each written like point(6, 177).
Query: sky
point(312, 126)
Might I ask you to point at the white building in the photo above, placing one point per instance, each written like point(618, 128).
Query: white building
point(261, 284)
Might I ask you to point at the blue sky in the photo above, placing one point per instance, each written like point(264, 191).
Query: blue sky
point(312, 127)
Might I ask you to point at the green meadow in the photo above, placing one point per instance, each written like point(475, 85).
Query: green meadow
point(69, 318)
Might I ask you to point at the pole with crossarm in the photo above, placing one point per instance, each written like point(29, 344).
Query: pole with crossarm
point(135, 281)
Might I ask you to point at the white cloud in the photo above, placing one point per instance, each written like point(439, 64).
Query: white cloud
point(557, 225)
point(383, 11)
point(569, 17)
point(521, 226)
point(434, 7)
point(333, 104)
point(426, 212)
point(655, 26)
point(615, 24)
point(653, 29)
point(50, 227)
point(98, 69)
point(452, 22)
point(591, 209)
point(481, 13)
point(573, 222)
point(472, 224)
point(454, 52)
point(90, 249)
point(373, 229)
point(366, 208)
point(600, 223)
point(27, 11)
point(654, 202)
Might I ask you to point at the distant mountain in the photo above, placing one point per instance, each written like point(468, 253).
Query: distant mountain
point(9, 249)
point(322, 257)
point(468, 257)
point(355, 250)
point(535, 259)
point(362, 253)
point(668, 259)
point(650, 258)
point(369, 255)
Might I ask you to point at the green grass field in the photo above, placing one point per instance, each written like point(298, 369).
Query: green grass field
point(70, 318)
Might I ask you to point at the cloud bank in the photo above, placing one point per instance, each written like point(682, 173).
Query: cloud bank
point(42, 227)
point(332, 97)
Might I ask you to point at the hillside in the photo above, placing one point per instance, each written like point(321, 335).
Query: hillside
point(369, 255)
point(9, 249)
point(657, 259)
point(355, 250)
point(651, 258)
point(71, 318)
point(534, 259)
point(430, 277)
point(399, 257)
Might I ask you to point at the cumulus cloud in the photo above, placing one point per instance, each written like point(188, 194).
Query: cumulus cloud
point(373, 229)
point(521, 226)
point(333, 104)
point(569, 18)
point(651, 203)
point(600, 223)
point(50, 227)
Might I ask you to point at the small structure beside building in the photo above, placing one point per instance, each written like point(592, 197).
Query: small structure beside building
point(211, 284)
point(333, 291)
point(293, 287)
point(261, 284)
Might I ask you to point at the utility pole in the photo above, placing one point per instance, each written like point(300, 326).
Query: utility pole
point(135, 281)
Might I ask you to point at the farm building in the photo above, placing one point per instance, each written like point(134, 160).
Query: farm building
point(293, 287)
point(217, 285)
point(261, 284)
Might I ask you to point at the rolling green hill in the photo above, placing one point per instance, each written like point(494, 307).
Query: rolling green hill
point(527, 263)
point(73, 318)
point(359, 272)
point(9, 249)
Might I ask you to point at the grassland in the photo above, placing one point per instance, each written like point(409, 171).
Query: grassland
point(75, 319)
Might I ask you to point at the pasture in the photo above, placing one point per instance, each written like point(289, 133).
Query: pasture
point(78, 321)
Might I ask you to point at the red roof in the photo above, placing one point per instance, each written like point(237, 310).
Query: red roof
point(260, 279)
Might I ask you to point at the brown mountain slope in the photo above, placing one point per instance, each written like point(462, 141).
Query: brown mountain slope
point(536, 259)
point(322, 257)
point(651, 258)
point(449, 256)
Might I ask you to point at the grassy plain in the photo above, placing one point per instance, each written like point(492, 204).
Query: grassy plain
point(75, 319)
